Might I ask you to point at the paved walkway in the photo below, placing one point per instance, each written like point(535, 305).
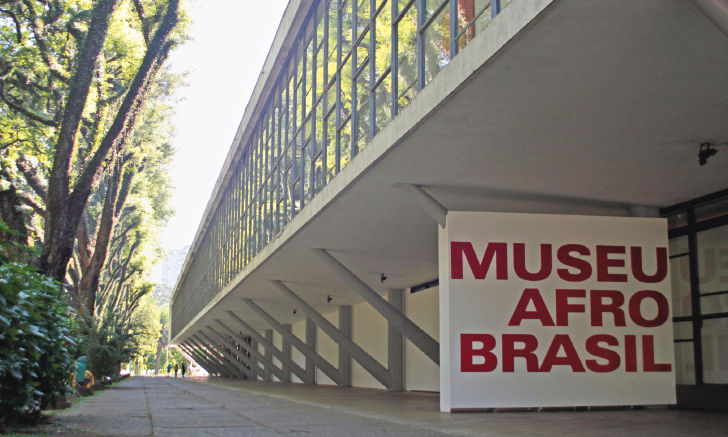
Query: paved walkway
point(159, 406)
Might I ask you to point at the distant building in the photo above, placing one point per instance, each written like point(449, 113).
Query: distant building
point(172, 265)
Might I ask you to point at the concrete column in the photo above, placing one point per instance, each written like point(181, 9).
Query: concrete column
point(254, 345)
point(256, 356)
point(203, 363)
point(395, 344)
point(307, 352)
point(213, 352)
point(268, 334)
point(254, 367)
point(286, 349)
point(310, 342)
point(379, 372)
point(208, 353)
point(344, 357)
point(295, 368)
point(428, 345)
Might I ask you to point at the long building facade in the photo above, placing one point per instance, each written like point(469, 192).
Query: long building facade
point(319, 257)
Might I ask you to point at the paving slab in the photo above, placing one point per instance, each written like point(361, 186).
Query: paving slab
point(221, 407)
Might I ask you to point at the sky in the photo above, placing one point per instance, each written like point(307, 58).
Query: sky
point(231, 39)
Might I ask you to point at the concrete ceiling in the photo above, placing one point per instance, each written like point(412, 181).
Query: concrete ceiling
point(594, 107)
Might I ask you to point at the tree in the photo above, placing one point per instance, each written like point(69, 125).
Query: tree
point(73, 82)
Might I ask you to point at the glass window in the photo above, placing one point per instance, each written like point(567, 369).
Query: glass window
point(437, 44)
point(330, 148)
point(682, 330)
point(407, 58)
point(383, 37)
point(684, 363)
point(362, 109)
point(713, 260)
point(344, 145)
point(473, 16)
point(680, 277)
point(346, 29)
point(715, 351)
point(346, 75)
point(333, 33)
point(362, 16)
point(383, 102)
point(362, 50)
point(711, 210)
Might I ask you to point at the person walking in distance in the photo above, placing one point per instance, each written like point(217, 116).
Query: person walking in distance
point(176, 368)
point(169, 368)
point(184, 369)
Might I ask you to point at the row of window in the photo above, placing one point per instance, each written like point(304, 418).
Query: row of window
point(355, 65)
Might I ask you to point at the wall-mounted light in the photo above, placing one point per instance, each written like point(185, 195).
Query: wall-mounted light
point(295, 311)
point(383, 278)
point(705, 152)
point(329, 299)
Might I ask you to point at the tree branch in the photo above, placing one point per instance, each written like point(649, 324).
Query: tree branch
point(16, 106)
point(31, 176)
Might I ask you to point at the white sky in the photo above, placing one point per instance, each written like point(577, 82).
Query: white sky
point(231, 41)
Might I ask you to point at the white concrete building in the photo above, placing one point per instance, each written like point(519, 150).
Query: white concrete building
point(371, 120)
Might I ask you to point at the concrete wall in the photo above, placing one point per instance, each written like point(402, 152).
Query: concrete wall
point(299, 330)
point(421, 373)
point(369, 331)
point(327, 348)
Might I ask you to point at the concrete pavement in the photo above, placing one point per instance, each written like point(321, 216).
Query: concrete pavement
point(159, 406)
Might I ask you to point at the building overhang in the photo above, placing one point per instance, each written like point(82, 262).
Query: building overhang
point(559, 107)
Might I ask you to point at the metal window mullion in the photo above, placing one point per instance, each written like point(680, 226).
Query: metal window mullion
point(496, 8)
point(394, 64)
point(372, 67)
point(695, 296)
point(354, 97)
point(337, 122)
point(453, 28)
point(420, 45)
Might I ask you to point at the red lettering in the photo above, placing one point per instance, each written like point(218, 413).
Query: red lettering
point(637, 270)
point(565, 258)
point(521, 313)
point(519, 263)
point(630, 353)
point(604, 263)
point(467, 352)
point(612, 357)
point(530, 344)
point(635, 308)
point(499, 251)
point(563, 307)
point(571, 359)
point(598, 307)
point(648, 356)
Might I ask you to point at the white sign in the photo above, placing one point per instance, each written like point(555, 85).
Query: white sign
point(554, 310)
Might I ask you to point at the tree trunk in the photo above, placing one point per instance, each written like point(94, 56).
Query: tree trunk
point(113, 202)
point(59, 229)
point(64, 208)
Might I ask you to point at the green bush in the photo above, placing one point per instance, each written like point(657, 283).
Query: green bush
point(35, 339)
point(108, 344)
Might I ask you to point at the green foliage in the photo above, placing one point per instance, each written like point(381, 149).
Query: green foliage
point(36, 340)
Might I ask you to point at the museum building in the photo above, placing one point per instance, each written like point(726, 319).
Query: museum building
point(376, 124)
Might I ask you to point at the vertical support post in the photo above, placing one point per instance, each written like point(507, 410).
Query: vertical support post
point(254, 345)
point(310, 342)
point(695, 296)
point(454, 28)
point(395, 344)
point(420, 45)
point(268, 354)
point(495, 8)
point(344, 356)
point(286, 349)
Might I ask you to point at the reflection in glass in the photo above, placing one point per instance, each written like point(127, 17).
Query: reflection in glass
point(715, 351)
